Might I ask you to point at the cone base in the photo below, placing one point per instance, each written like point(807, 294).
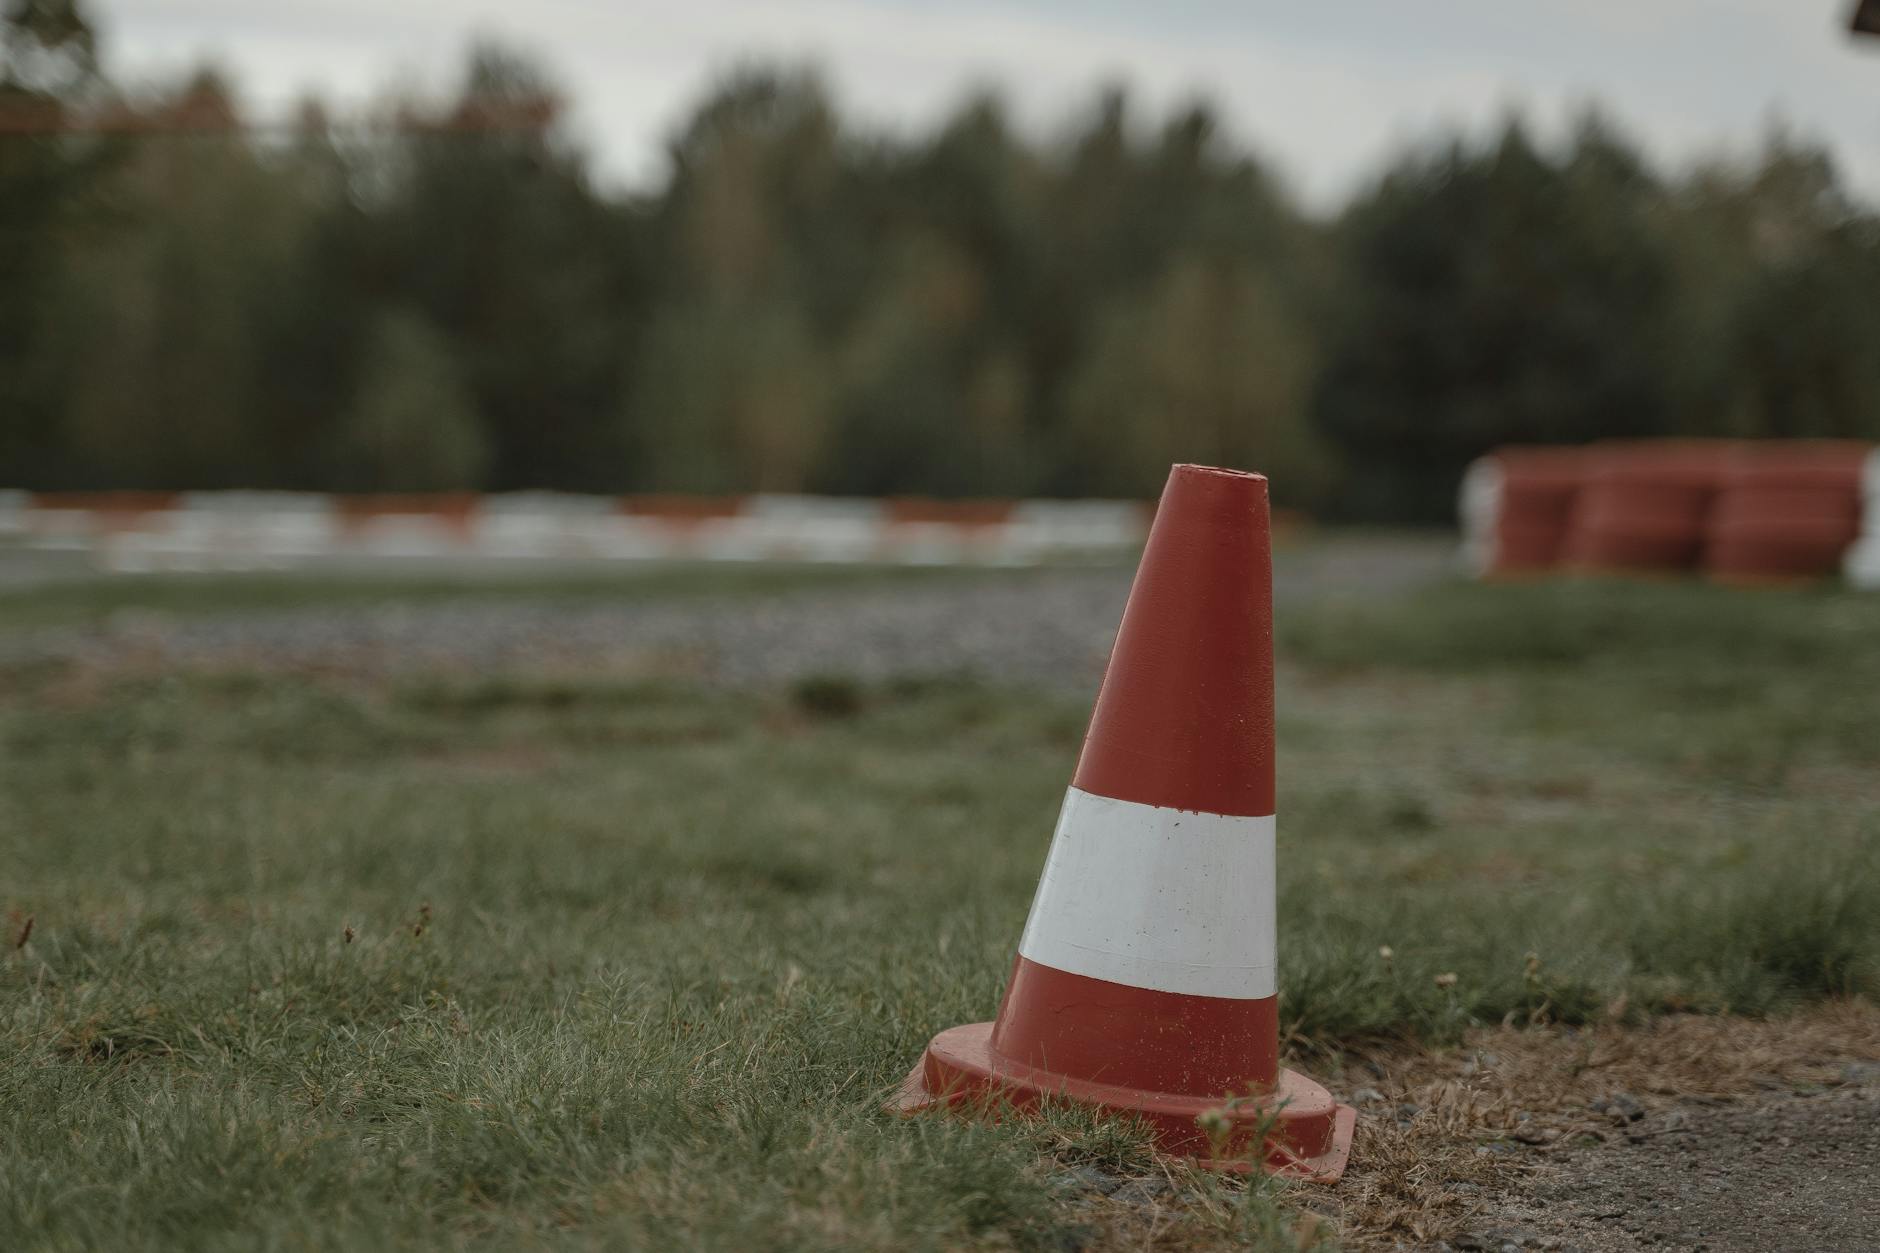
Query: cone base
point(1309, 1137)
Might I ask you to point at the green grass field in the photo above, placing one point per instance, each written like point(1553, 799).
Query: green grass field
point(520, 961)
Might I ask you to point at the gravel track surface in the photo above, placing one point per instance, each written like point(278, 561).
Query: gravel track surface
point(1790, 1173)
point(1049, 626)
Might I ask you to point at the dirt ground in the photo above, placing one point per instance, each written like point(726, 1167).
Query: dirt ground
point(1791, 1172)
point(1708, 1134)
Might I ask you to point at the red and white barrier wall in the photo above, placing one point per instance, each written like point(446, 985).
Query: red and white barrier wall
point(228, 531)
point(1738, 511)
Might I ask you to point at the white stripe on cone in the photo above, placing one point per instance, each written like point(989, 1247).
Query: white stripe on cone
point(1167, 899)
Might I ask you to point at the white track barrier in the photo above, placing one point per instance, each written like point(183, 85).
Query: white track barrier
point(1861, 566)
point(13, 505)
point(1478, 504)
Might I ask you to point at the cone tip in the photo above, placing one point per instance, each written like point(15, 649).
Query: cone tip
point(1187, 468)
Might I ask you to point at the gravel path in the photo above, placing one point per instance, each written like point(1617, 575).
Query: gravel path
point(1050, 626)
point(1051, 629)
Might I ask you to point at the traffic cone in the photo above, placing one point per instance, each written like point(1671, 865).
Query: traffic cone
point(1144, 982)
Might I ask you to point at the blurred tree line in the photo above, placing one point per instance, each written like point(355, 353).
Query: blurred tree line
point(439, 297)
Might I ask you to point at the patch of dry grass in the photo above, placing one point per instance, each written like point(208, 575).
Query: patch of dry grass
point(1442, 1130)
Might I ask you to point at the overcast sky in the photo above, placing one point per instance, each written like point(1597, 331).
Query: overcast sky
point(1323, 90)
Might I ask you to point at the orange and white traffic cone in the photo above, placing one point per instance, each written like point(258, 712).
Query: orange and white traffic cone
point(1145, 979)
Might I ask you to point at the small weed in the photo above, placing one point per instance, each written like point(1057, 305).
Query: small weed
point(827, 696)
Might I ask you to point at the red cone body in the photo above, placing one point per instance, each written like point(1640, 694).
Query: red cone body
point(1144, 982)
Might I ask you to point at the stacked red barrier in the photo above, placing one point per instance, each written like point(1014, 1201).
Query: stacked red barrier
point(1739, 511)
point(1789, 512)
point(1646, 506)
point(1538, 489)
